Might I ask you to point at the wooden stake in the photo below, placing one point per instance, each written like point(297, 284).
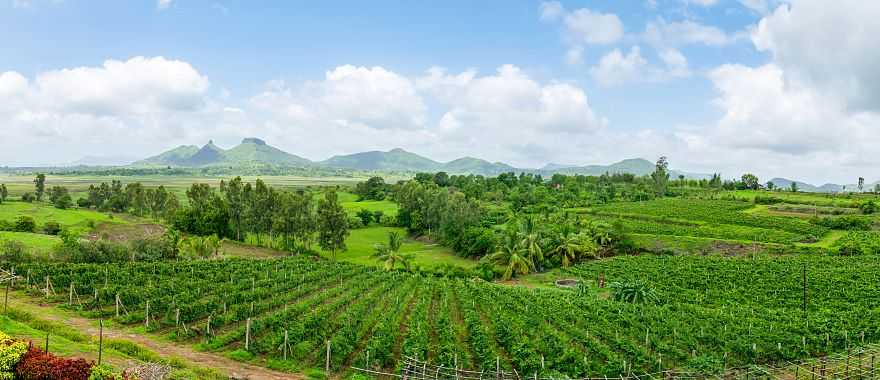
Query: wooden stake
point(6, 299)
point(327, 362)
point(247, 335)
point(100, 340)
point(147, 316)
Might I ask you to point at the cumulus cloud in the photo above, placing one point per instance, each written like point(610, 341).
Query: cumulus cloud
point(114, 107)
point(686, 32)
point(702, 3)
point(831, 48)
point(163, 4)
point(591, 27)
point(616, 68)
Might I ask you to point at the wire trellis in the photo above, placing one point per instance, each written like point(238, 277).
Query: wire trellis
point(861, 363)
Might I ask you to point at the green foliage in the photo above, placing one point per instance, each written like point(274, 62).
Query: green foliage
point(11, 352)
point(373, 189)
point(40, 186)
point(868, 207)
point(856, 243)
point(52, 228)
point(25, 224)
point(365, 216)
point(847, 222)
point(104, 372)
point(28, 197)
point(332, 224)
point(634, 292)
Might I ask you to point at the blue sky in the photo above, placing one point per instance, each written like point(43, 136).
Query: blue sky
point(656, 77)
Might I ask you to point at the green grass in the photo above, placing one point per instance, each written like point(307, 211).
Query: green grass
point(78, 220)
point(38, 243)
point(351, 205)
point(362, 242)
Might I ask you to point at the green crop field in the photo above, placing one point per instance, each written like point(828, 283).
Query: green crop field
point(362, 244)
point(744, 310)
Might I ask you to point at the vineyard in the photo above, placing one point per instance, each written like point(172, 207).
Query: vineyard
point(707, 218)
point(714, 312)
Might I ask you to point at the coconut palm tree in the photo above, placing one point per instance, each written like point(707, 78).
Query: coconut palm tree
point(390, 254)
point(531, 240)
point(513, 256)
point(570, 247)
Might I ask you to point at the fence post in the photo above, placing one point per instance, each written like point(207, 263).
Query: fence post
point(6, 299)
point(100, 340)
point(47, 343)
point(285, 345)
point(247, 335)
point(327, 362)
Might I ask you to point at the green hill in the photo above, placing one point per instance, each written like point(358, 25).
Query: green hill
point(477, 166)
point(256, 150)
point(250, 151)
point(395, 159)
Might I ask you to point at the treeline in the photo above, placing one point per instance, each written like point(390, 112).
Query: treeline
point(133, 198)
point(262, 215)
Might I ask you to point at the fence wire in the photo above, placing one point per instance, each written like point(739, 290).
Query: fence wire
point(861, 363)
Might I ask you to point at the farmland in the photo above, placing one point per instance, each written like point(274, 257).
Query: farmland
point(748, 309)
point(700, 281)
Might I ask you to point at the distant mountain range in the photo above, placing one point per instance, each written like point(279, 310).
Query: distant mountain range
point(826, 188)
point(253, 151)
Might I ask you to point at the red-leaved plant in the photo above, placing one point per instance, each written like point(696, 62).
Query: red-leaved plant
point(39, 365)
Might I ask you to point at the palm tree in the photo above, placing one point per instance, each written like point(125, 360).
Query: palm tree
point(390, 254)
point(570, 247)
point(602, 235)
point(531, 240)
point(634, 292)
point(512, 256)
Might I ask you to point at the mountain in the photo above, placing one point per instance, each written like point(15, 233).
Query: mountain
point(250, 151)
point(785, 183)
point(256, 150)
point(171, 157)
point(477, 166)
point(395, 159)
point(637, 166)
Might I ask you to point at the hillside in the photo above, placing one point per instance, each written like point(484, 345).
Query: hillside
point(250, 151)
point(395, 159)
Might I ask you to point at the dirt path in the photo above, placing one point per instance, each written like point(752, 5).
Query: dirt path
point(214, 361)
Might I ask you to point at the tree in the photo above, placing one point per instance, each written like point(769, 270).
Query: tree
point(60, 197)
point(861, 183)
point(877, 187)
point(660, 176)
point(40, 186)
point(570, 247)
point(512, 257)
point(750, 181)
point(633, 292)
point(794, 187)
point(365, 216)
point(3, 193)
point(332, 224)
point(531, 240)
point(390, 254)
point(235, 201)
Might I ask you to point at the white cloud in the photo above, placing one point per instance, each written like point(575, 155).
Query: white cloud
point(574, 55)
point(615, 68)
point(551, 10)
point(163, 4)
point(115, 108)
point(702, 3)
point(686, 32)
point(591, 27)
point(833, 48)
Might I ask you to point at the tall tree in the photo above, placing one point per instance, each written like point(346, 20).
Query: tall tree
point(861, 183)
point(794, 187)
point(332, 224)
point(750, 181)
point(660, 176)
point(3, 192)
point(40, 186)
point(233, 190)
point(512, 256)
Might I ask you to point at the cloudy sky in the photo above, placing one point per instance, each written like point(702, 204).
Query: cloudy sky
point(774, 87)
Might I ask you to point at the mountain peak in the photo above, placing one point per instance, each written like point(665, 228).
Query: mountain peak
point(253, 140)
point(397, 150)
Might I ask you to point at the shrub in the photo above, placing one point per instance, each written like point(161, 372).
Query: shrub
point(103, 372)
point(28, 197)
point(12, 251)
point(11, 352)
point(868, 207)
point(354, 222)
point(52, 228)
point(39, 365)
point(848, 222)
point(25, 224)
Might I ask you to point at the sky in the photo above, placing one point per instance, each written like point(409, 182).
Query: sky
point(778, 88)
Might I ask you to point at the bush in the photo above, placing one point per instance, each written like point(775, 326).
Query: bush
point(868, 207)
point(39, 365)
point(12, 251)
point(25, 224)
point(11, 352)
point(52, 228)
point(103, 372)
point(355, 223)
point(153, 249)
point(848, 222)
point(28, 197)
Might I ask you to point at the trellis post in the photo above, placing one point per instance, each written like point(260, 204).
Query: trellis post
point(327, 360)
point(6, 298)
point(147, 316)
point(100, 340)
point(247, 335)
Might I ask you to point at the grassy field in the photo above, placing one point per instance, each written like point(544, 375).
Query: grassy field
point(352, 206)
point(362, 243)
point(78, 220)
point(38, 243)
